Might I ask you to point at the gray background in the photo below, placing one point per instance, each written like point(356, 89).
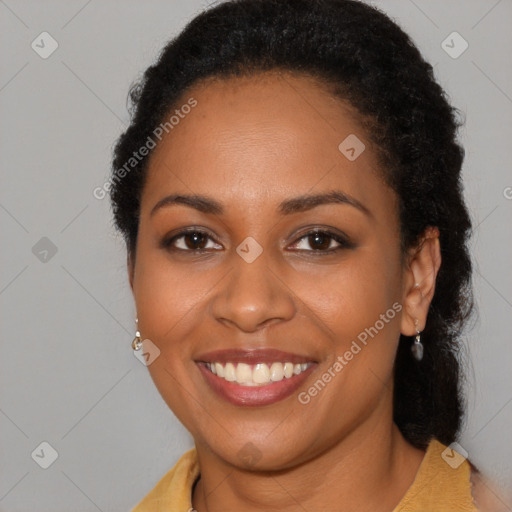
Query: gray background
point(68, 375)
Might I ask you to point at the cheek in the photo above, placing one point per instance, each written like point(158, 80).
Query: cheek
point(350, 297)
point(169, 302)
point(167, 295)
point(357, 305)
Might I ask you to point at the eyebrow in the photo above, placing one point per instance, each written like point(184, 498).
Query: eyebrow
point(297, 204)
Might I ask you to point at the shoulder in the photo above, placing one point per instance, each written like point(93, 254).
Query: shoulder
point(442, 483)
point(174, 490)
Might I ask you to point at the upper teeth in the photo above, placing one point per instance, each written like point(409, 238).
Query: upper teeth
point(256, 375)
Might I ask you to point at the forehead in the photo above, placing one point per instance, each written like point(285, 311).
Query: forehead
point(261, 138)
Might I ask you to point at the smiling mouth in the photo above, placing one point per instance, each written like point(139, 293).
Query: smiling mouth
point(254, 377)
point(259, 374)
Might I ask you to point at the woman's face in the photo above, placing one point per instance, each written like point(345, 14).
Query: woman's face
point(252, 286)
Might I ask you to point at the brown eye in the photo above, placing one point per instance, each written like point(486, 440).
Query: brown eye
point(320, 241)
point(190, 241)
point(195, 240)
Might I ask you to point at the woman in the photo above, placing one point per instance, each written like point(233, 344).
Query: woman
point(290, 194)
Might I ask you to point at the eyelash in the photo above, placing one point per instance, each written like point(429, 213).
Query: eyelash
point(343, 241)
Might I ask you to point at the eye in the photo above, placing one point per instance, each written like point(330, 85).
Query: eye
point(191, 240)
point(322, 241)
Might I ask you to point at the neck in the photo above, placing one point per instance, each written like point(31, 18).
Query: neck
point(370, 469)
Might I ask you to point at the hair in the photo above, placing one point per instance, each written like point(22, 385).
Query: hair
point(366, 59)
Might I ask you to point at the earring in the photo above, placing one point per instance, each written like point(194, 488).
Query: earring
point(417, 346)
point(137, 341)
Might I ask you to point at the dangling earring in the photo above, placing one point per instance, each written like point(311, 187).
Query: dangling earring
point(137, 341)
point(417, 346)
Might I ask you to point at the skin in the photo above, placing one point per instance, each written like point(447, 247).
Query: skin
point(251, 143)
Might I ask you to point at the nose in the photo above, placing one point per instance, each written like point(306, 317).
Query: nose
point(253, 296)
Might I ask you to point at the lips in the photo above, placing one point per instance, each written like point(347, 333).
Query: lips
point(254, 377)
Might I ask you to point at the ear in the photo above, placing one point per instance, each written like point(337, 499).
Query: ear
point(421, 271)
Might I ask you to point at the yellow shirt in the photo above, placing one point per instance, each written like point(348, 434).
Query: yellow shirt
point(438, 487)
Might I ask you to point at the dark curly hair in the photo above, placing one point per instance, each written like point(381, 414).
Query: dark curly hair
point(365, 58)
